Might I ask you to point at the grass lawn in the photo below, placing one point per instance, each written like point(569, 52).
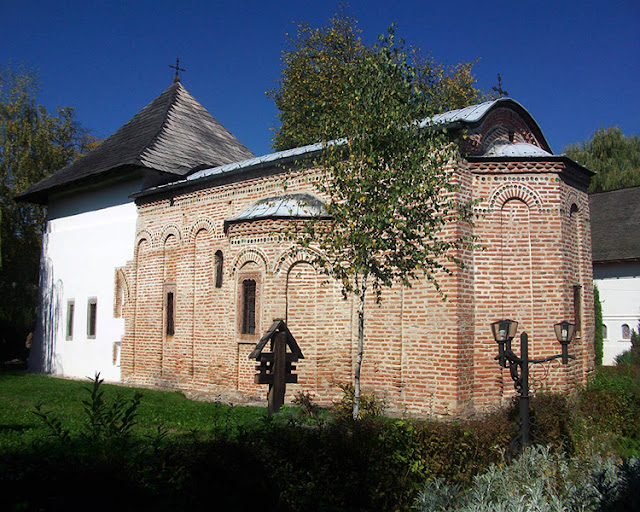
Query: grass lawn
point(20, 392)
point(212, 456)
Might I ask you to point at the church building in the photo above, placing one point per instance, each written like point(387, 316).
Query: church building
point(165, 261)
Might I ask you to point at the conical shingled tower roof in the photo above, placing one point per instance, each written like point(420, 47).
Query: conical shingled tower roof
point(173, 134)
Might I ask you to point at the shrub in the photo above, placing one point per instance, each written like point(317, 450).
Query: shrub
point(553, 420)
point(308, 407)
point(539, 480)
point(370, 404)
point(106, 422)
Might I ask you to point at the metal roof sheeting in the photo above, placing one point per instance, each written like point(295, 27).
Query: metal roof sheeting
point(468, 115)
point(290, 206)
point(260, 160)
point(519, 149)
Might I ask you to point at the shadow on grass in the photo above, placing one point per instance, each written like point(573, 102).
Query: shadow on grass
point(68, 476)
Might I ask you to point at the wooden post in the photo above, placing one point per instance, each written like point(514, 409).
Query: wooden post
point(276, 393)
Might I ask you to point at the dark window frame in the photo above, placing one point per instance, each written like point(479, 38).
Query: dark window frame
point(577, 307)
point(218, 262)
point(92, 317)
point(171, 313)
point(249, 302)
point(169, 309)
point(71, 306)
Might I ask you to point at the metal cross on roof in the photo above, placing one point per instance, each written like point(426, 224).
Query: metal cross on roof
point(501, 92)
point(178, 69)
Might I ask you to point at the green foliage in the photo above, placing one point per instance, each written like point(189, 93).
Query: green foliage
point(539, 480)
point(388, 182)
point(631, 357)
point(56, 429)
point(64, 400)
point(598, 333)
point(308, 407)
point(370, 404)
point(33, 144)
point(611, 403)
point(318, 68)
point(554, 421)
point(109, 420)
point(613, 156)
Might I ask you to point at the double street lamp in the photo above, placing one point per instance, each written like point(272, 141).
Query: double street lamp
point(503, 332)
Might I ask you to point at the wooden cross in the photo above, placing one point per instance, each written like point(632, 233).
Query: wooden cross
point(177, 68)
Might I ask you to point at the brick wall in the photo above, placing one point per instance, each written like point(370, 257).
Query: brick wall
point(425, 355)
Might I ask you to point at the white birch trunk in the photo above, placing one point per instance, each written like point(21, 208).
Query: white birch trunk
point(356, 380)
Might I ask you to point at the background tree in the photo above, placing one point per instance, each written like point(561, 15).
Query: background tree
point(33, 144)
point(388, 181)
point(316, 67)
point(613, 156)
point(598, 341)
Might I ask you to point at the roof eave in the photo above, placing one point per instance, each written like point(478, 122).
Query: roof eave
point(533, 158)
point(635, 259)
point(41, 196)
point(188, 183)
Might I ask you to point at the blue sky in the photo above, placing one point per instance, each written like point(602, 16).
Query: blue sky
point(574, 65)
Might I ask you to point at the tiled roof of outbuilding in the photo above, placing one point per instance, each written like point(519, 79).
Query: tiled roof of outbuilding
point(615, 225)
point(173, 134)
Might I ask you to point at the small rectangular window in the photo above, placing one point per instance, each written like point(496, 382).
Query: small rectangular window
point(249, 306)
point(170, 315)
point(92, 315)
point(70, 310)
point(218, 263)
point(169, 310)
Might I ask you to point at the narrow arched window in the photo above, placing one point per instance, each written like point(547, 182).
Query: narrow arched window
point(248, 306)
point(573, 210)
point(626, 332)
point(605, 332)
point(92, 316)
point(577, 307)
point(219, 261)
point(170, 312)
point(169, 307)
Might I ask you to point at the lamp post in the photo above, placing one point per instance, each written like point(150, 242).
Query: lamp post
point(503, 332)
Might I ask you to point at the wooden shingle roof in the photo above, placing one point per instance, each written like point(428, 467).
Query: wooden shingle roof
point(615, 225)
point(173, 134)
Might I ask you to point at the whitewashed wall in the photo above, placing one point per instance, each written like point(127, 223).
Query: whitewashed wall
point(88, 236)
point(619, 286)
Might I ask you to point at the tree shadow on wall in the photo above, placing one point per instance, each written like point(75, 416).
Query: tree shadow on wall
point(42, 358)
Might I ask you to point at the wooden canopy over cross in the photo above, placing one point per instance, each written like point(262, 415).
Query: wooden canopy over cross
point(278, 326)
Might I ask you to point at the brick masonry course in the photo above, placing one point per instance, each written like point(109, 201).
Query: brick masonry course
point(424, 355)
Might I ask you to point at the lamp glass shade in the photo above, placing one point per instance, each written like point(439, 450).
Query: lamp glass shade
point(564, 332)
point(504, 330)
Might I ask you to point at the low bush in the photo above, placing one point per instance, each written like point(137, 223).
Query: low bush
point(370, 404)
point(540, 480)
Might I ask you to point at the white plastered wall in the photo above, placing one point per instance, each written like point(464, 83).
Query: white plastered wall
point(619, 287)
point(88, 236)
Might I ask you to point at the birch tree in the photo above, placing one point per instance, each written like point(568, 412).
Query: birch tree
point(388, 183)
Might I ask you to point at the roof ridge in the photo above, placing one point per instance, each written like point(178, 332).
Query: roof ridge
point(149, 146)
point(614, 190)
